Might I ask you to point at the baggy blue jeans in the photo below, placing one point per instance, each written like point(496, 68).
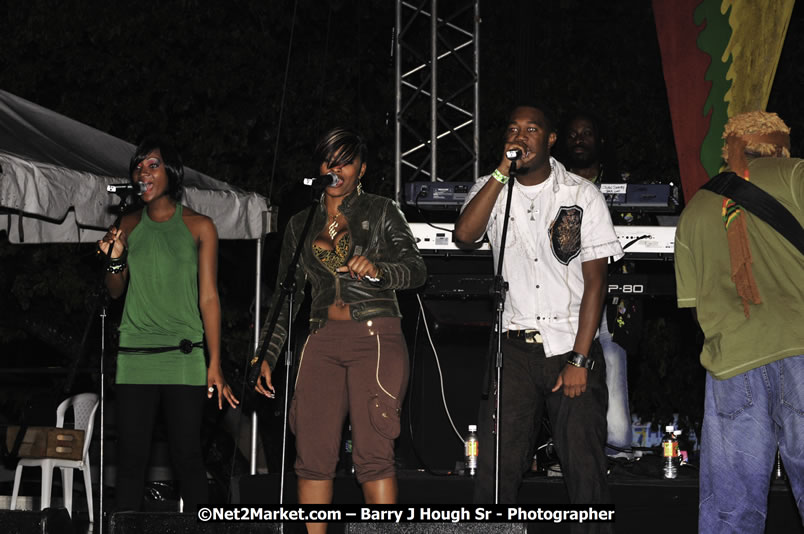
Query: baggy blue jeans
point(746, 418)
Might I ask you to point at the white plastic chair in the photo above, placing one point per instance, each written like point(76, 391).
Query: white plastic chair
point(84, 407)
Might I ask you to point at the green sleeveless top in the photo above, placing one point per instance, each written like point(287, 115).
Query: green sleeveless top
point(161, 305)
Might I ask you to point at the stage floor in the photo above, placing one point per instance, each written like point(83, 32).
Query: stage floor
point(644, 502)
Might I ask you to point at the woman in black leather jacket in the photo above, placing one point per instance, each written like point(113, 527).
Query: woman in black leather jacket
point(358, 252)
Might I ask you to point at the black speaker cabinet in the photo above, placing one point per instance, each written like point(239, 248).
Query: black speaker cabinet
point(176, 523)
point(460, 333)
point(48, 521)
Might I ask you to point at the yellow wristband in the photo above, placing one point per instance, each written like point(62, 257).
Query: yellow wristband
point(500, 177)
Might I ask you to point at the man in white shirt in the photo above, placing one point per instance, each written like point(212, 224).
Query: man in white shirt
point(560, 237)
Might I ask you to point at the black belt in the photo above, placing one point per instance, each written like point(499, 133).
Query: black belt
point(528, 336)
point(185, 346)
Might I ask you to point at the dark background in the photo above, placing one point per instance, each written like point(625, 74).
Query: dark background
point(213, 76)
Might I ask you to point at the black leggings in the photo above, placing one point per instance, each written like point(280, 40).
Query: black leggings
point(182, 407)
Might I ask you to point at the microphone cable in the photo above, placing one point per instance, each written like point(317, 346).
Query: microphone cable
point(422, 319)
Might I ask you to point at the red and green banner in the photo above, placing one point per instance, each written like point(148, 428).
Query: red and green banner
point(719, 59)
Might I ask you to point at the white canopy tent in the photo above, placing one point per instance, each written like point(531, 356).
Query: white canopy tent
point(54, 172)
point(53, 177)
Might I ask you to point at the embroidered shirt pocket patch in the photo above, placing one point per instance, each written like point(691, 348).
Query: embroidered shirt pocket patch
point(565, 233)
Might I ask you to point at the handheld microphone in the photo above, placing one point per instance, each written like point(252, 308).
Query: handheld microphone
point(513, 154)
point(137, 188)
point(326, 180)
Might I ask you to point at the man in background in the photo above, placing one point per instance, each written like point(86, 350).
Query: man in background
point(584, 147)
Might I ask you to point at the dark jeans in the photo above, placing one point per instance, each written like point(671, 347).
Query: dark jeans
point(182, 407)
point(579, 426)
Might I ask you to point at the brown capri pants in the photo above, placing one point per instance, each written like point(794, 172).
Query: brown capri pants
point(354, 367)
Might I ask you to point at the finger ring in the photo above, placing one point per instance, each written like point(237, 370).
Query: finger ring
point(210, 389)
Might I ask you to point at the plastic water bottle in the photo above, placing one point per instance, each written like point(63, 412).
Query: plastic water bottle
point(670, 452)
point(470, 449)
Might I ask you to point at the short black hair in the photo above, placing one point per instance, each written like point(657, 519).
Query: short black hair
point(549, 117)
point(340, 146)
point(170, 158)
point(599, 126)
point(603, 143)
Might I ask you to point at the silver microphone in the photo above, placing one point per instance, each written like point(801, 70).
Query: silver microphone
point(137, 188)
point(327, 180)
point(513, 154)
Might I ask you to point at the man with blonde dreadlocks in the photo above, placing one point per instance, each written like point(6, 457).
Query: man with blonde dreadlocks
point(743, 280)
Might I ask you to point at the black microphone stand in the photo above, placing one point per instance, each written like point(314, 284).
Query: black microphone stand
point(500, 291)
point(102, 302)
point(288, 287)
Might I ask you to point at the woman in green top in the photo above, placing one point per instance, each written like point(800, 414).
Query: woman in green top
point(166, 256)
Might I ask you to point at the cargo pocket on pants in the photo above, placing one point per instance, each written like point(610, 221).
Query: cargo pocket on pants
point(384, 416)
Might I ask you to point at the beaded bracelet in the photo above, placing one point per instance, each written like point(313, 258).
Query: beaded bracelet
point(117, 268)
point(500, 177)
point(118, 265)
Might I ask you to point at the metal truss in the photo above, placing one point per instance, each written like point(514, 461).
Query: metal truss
point(437, 72)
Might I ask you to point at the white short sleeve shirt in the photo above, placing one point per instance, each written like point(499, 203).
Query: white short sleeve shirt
point(554, 227)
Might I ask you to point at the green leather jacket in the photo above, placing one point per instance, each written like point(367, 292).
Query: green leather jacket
point(379, 231)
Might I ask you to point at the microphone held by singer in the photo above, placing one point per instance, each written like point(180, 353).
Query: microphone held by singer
point(513, 154)
point(137, 188)
point(325, 180)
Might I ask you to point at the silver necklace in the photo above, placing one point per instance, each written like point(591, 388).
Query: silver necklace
point(531, 209)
